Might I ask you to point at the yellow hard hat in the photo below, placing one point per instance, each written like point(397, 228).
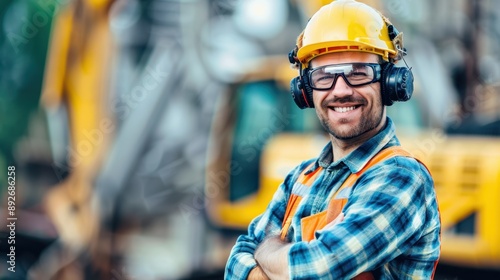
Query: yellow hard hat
point(347, 25)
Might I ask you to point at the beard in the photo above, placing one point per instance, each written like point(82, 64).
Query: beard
point(368, 122)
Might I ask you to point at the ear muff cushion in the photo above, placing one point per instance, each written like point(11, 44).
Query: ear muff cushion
point(297, 94)
point(396, 84)
point(308, 92)
point(301, 92)
point(404, 78)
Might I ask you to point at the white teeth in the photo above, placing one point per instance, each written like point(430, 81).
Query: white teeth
point(343, 109)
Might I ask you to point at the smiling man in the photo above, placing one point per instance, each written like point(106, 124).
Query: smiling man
point(365, 208)
point(350, 108)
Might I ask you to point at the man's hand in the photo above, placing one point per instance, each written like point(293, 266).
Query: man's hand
point(272, 257)
point(257, 274)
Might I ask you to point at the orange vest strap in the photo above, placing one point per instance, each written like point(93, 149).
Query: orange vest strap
point(294, 200)
point(291, 207)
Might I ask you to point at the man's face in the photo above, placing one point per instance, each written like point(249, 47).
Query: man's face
point(346, 112)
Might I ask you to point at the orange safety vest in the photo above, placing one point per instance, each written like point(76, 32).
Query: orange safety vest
point(313, 223)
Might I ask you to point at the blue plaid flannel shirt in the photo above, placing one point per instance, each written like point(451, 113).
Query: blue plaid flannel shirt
point(391, 225)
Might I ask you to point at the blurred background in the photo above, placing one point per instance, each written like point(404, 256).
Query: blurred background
point(146, 134)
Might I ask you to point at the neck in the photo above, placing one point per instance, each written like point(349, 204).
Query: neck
point(341, 148)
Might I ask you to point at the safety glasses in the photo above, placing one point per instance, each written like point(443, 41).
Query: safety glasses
point(354, 74)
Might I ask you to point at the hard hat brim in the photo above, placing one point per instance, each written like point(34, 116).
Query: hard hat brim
point(309, 52)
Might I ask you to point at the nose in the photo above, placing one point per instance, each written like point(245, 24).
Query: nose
point(340, 87)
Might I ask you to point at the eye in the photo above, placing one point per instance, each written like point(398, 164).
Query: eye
point(360, 70)
point(359, 74)
point(323, 78)
point(326, 77)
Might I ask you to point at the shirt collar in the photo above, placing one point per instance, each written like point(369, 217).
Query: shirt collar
point(358, 158)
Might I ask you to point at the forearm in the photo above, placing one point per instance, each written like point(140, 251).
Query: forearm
point(272, 257)
point(243, 265)
point(242, 261)
point(272, 254)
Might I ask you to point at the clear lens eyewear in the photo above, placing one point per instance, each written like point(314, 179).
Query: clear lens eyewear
point(354, 74)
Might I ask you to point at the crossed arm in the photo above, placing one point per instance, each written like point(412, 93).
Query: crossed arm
point(367, 239)
point(272, 257)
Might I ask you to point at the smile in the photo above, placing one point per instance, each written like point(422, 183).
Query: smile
point(344, 109)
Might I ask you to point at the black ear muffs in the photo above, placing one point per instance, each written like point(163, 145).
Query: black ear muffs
point(396, 84)
point(301, 91)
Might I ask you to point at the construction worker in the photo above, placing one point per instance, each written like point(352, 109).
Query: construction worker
point(365, 208)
